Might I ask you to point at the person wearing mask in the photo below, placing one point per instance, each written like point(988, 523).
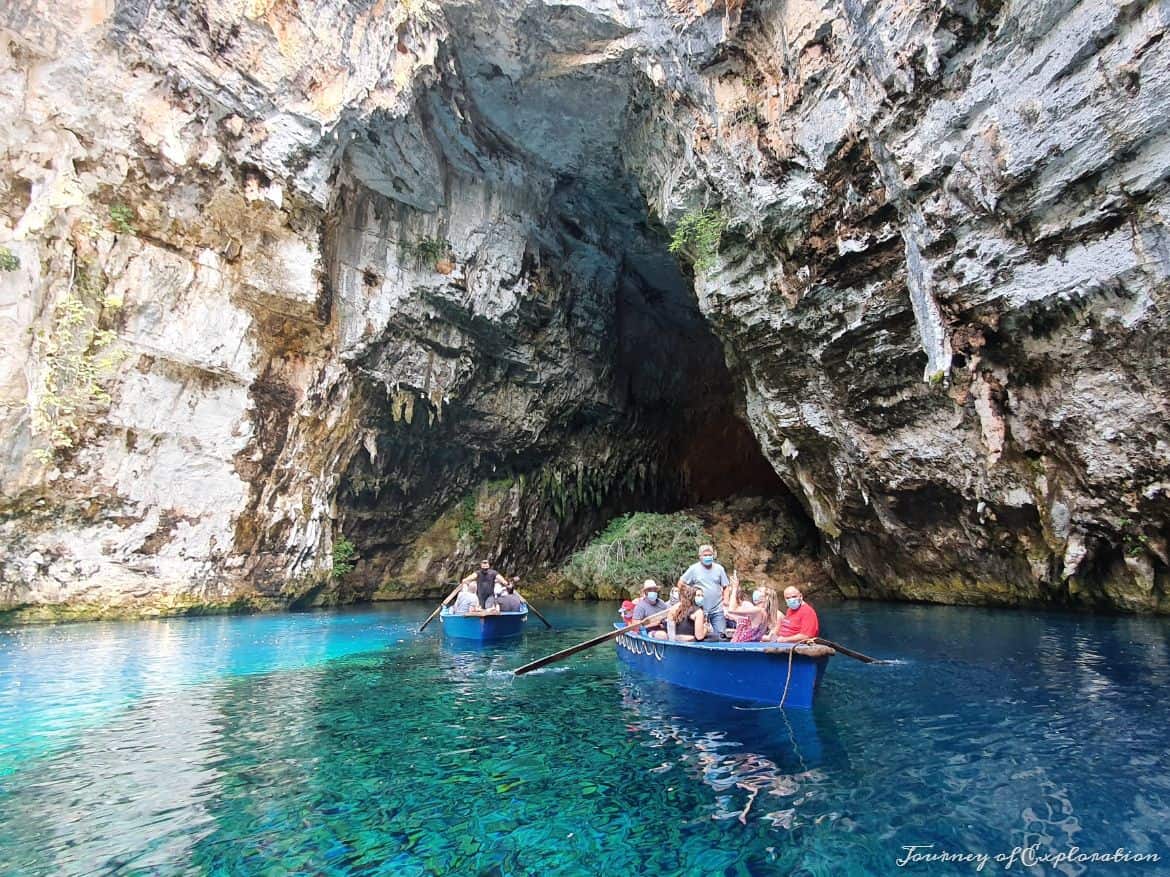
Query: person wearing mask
point(799, 623)
point(711, 578)
point(649, 604)
point(685, 621)
point(485, 580)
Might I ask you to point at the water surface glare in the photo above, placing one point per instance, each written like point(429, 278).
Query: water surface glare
point(347, 743)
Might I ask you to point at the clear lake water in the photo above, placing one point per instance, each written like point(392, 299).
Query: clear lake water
point(345, 742)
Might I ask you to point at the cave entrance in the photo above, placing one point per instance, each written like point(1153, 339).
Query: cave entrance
point(529, 359)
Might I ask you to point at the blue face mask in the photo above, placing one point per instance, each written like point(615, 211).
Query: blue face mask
point(652, 596)
point(793, 602)
point(707, 561)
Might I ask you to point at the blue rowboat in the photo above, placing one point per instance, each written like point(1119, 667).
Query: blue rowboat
point(484, 628)
point(759, 672)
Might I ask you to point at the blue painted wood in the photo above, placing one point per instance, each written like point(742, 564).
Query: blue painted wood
point(484, 628)
point(740, 671)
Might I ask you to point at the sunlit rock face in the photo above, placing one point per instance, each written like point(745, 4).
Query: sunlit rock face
point(398, 272)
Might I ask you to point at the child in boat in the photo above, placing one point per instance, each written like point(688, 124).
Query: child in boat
point(627, 612)
point(686, 621)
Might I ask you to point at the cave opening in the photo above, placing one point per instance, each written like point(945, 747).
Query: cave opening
point(530, 360)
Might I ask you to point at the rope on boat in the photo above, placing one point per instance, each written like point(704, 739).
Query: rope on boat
point(639, 646)
point(788, 678)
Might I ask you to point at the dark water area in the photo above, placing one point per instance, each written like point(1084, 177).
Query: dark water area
point(343, 743)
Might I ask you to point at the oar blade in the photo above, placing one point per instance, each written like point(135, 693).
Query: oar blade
point(865, 659)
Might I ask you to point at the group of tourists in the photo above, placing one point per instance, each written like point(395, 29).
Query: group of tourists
point(486, 591)
point(706, 605)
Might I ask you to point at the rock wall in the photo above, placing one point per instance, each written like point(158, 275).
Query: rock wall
point(943, 284)
point(279, 274)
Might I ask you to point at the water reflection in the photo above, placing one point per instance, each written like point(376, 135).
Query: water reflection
point(740, 753)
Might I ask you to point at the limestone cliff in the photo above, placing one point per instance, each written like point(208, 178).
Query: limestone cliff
point(279, 273)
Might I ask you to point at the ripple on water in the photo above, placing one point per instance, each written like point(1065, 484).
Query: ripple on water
point(343, 743)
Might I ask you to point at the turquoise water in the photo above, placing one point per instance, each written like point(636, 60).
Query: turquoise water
point(346, 743)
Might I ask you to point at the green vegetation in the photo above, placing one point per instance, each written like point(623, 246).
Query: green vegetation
point(343, 557)
point(122, 219)
point(634, 548)
point(1136, 542)
point(9, 261)
point(428, 251)
point(77, 356)
point(469, 527)
point(697, 237)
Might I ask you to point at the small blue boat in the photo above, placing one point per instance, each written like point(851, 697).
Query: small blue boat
point(484, 628)
point(758, 672)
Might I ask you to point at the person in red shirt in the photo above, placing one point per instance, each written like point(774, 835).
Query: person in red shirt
point(799, 623)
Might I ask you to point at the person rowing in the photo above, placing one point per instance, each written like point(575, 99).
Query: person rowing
point(649, 605)
point(485, 579)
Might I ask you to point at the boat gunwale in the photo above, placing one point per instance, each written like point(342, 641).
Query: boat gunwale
point(764, 648)
point(447, 614)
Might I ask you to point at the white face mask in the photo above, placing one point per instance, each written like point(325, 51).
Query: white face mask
point(757, 597)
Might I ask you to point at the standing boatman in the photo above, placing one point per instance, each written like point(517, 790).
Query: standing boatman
point(485, 579)
point(711, 577)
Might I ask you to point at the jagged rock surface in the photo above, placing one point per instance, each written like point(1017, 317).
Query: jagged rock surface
point(398, 272)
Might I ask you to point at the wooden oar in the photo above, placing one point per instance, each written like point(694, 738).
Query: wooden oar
point(588, 644)
point(848, 652)
point(534, 609)
point(431, 617)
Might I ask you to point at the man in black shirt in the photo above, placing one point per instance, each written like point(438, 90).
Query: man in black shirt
point(485, 583)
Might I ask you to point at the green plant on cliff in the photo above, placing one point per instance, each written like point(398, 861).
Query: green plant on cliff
point(469, 526)
point(122, 219)
point(634, 548)
point(343, 557)
point(429, 251)
point(9, 261)
point(697, 237)
point(77, 355)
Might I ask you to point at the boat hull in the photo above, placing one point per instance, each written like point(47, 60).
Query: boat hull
point(484, 628)
point(757, 672)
